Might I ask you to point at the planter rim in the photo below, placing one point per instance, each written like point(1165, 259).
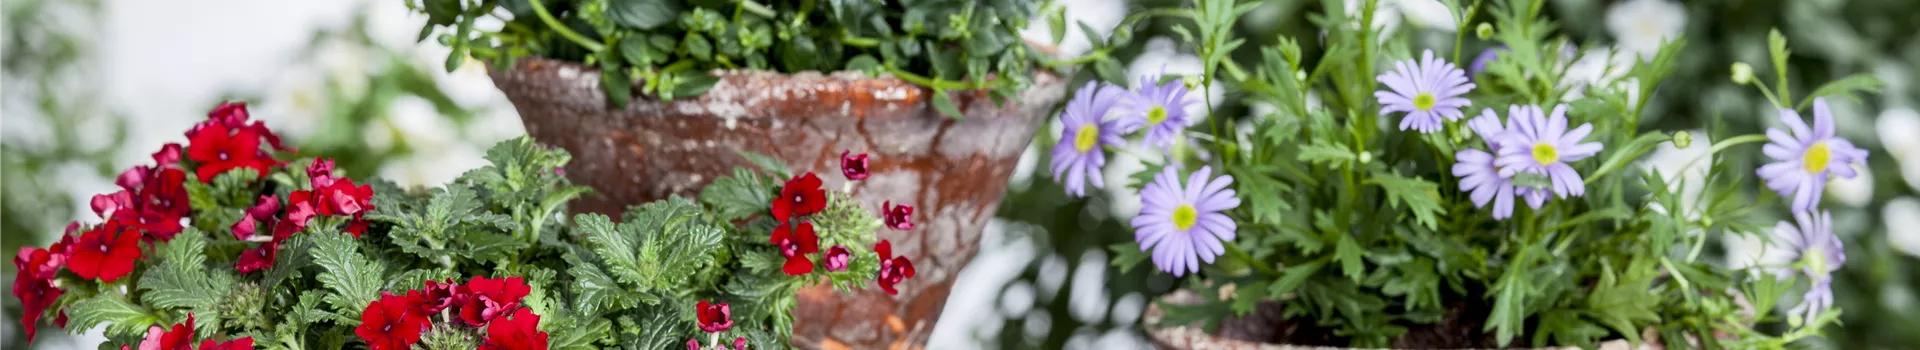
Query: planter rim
point(852, 94)
point(1193, 337)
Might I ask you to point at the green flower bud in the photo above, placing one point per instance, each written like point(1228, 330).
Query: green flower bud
point(1682, 139)
point(243, 305)
point(1366, 157)
point(1742, 73)
point(1484, 30)
point(446, 336)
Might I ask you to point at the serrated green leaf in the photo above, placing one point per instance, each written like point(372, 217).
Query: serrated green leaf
point(490, 246)
point(943, 102)
point(1291, 278)
point(354, 279)
point(1857, 83)
point(581, 337)
point(121, 318)
point(658, 245)
point(1127, 255)
point(1320, 153)
point(1419, 196)
point(1350, 256)
point(182, 282)
point(1510, 295)
point(595, 292)
point(768, 164)
point(1777, 50)
point(742, 195)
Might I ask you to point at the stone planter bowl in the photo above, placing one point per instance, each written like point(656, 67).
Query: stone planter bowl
point(952, 171)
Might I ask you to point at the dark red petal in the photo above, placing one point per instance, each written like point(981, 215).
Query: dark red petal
point(885, 249)
point(808, 240)
point(797, 265)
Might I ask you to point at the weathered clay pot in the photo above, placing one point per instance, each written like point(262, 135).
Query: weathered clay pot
point(1267, 322)
point(952, 171)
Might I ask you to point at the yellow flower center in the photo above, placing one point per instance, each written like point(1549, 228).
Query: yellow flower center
point(1089, 136)
point(1185, 216)
point(1545, 154)
point(1423, 101)
point(1816, 158)
point(1156, 115)
point(1816, 262)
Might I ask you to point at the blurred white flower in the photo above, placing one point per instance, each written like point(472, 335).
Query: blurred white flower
point(1429, 14)
point(1903, 224)
point(1101, 15)
point(1600, 67)
point(1639, 26)
point(1897, 127)
point(1683, 166)
point(1856, 191)
point(1385, 18)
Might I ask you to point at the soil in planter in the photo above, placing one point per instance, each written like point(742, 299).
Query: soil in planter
point(1460, 328)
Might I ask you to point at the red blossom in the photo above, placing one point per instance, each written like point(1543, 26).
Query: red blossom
point(233, 116)
point(357, 227)
point(320, 173)
point(898, 217)
point(854, 166)
point(285, 228)
point(488, 298)
point(105, 204)
point(107, 252)
point(178, 338)
point(795, 244)
point(440, 296)
point(168, 156)
point(261, 213)
point(518, 332)
point(837, 258)
point(893, 269)
point(799, 196)
point(157, 225)
point(739, 343)
point(133, 177)
point(390, 324)
point(693, 344)
point(714, 317)
point(236, 344)
point(218, 149)
point(165, 191)
point(33, 284)
point(259, 258)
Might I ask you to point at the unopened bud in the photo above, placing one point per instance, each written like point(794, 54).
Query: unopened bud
point(1366, 157)
point(1681, 139)
point(1742, 73)
point(1484, 30)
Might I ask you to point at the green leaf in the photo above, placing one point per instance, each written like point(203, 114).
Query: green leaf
point(1566, 328)
point(659, 245)
point(643, 14)
point(1777, 49)
point(354, 279)
point(1322, 153)
point(120, 317)
point(1127, 255)
point(698, 46)
point(634, 49)
point(1350, 255)
point(616, 82)
point(581, 338)
point(490, 246)
point(866, 64)
point(1857, 83)
point(595, 292)
point(742, 195)
point(1509, 315)
point(182, 282)
point(692, 84)
point(1291, 279)
point(1057, 24)
point(768, 164)
point(944, 103)
point(1419, 196)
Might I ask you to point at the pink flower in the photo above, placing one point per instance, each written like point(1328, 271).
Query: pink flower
point(105, 204)
point(898, 217)
point(795, 243)
point(320, 173)
point(259, 258)
point(893, 269)
point(168, 156)
point(837, 258)
point(133, 177)
point(853, 166)
point(714, 317)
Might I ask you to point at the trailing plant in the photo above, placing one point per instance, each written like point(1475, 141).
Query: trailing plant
point(221, 243)
point(1389, 191)
point(669, 46)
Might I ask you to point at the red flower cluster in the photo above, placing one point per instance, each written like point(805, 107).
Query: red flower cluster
point(893, 269)
point(795, 242)
point(396, 321)
point(332, 197)
point(800, 196)
point(34, 282)
point(106, 252)
point(180, 337)
point(152, 199)
point(225, 142)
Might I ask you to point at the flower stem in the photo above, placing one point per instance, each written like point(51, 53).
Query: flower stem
point(541, 10)
point(1244, 257)
point(1724, 144)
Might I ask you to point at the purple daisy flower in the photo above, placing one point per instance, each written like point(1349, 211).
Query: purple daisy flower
point(1427, 90)
point(1486, 57)
point(1077, 159)
point(1805, 159)
point(1819, 253)
point(1481, 178)
point(1161, 109)
point(1540, 144)
point(1183, 225)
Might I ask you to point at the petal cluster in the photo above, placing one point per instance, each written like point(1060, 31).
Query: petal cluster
point(1185, 225)
point(1087, 128)
point(1807, 158)
point(1428, 90)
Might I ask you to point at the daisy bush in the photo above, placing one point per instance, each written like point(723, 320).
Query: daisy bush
point(230, 241)
point(1381, 192)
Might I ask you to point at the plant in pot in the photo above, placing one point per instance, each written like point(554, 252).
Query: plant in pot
point(223, 244)
point(654, 98)
point(1388, 197)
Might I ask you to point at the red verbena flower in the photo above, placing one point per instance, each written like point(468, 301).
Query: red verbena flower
point(33, 284)
point(440, 296)
point(236, 344)
point(168, 156)
point(218, 149)
point(180, 337)
point(714, 317)
point(799, 196)
point(693, 344)
point(795, 244)
point(837, 258)
point(105, 205)
point(133, 177)
point(854, 166)
point(899, 217)
point(488, 298)
point(157, 224)
point(320, 173)
point(106, 252)
point(258, 258)
point(893, 269)
point(740, 343)
point(389, 323)
point(262, 212)
point(233, 116)
point(166, 192)
point(517, 332)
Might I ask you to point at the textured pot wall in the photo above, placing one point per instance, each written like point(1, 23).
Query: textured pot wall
point(952, 171)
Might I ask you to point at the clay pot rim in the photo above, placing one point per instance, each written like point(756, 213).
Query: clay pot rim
point(1171, 336)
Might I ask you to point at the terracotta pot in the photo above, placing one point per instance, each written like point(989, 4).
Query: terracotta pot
point(952, 171)
point(1267, 322)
